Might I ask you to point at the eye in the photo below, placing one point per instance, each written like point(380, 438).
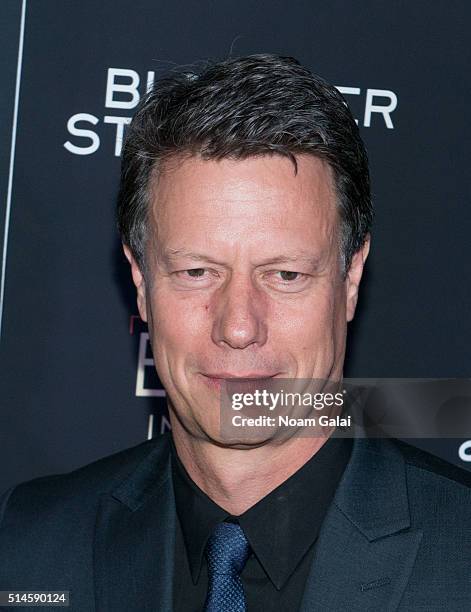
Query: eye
point(195, 276)
point(288, 281)
point(195, 272)
point(287, 275)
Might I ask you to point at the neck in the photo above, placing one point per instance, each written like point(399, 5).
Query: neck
point(235, 478)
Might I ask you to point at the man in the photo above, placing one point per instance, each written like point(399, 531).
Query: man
point(245, 212)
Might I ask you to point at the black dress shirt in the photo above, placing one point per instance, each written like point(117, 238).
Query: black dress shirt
point(281, 529)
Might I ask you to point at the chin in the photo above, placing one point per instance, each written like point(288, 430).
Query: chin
point(241, 442)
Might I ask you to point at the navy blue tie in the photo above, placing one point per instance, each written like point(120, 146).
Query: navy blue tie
point(227, 551)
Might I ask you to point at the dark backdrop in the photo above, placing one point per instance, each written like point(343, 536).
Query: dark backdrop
point(76, 383)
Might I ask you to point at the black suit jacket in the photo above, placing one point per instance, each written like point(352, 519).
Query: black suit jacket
point(397, 535)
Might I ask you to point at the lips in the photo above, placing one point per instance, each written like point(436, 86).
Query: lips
point(244, 376)
point(247, 379)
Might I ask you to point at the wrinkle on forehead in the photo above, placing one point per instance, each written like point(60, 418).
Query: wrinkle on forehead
point(225, 195)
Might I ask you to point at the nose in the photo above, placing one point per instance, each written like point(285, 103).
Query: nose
point(239, 315)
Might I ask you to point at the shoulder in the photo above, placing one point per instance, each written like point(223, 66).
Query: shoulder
point(439, 492)
point(431, 467)
point(61, 494)
point(47, 530)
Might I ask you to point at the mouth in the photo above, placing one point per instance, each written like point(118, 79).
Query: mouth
point(216, 380)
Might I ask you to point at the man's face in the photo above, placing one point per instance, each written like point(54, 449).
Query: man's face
point(244, 280)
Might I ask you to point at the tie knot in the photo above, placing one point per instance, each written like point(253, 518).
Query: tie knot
point(227, 550)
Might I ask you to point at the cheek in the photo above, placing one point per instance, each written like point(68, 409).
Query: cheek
point(178, 323)
point(312, 331)
point(306, 321)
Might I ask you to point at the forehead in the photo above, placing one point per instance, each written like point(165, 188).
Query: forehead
point(237, 199)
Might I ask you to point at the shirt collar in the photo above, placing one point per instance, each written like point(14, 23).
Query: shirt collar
point(281, 527)
point(197, 513)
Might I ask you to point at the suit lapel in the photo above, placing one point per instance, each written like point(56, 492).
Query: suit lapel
point(366, 548)
point(134, 539)
point(364, 555)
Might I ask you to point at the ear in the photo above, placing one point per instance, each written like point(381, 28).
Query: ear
point(138, 279)
point(354, 275)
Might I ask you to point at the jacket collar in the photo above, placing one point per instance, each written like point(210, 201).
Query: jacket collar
point(366, 548)
point(364, 555)
point(373, 490)
point(134, 538)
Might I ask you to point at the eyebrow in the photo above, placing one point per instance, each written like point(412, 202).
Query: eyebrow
point(171, 254)
point(302, 257)
point(310, 259)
